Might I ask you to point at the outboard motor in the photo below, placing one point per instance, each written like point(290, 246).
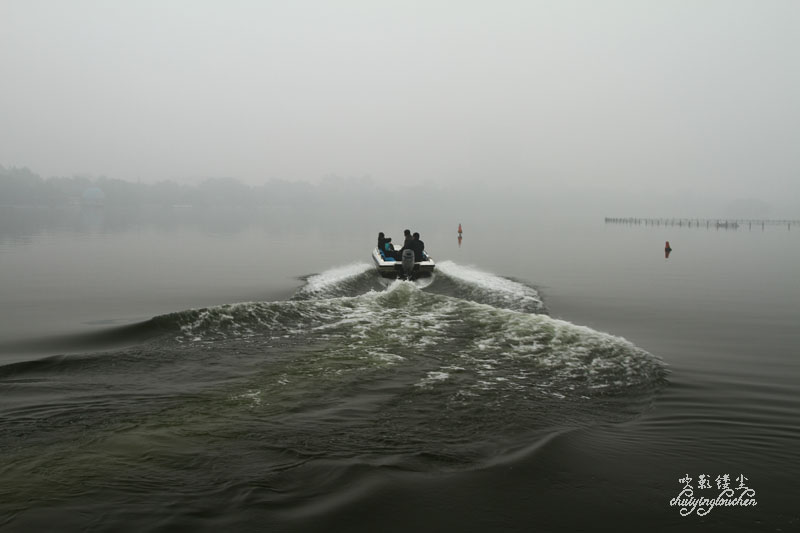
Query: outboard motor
point(408, 263)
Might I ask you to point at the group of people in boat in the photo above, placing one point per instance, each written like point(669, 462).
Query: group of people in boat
point(411, 242)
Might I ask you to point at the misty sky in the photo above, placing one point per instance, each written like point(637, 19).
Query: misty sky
point(646, 95)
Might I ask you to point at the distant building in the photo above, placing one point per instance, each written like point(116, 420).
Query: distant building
point(93, 196)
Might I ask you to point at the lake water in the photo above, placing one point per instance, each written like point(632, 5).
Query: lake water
point(221, 370)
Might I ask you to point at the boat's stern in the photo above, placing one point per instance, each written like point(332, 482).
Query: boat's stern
point(391, 268)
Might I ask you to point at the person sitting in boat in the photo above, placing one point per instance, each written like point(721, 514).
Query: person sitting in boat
point(418, 246)
point(408, 239)
point(386, 247)
point(408, 243)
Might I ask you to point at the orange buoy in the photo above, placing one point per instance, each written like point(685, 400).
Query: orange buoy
point(459, 227)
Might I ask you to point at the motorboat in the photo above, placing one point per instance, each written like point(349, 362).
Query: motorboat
point(404, 268)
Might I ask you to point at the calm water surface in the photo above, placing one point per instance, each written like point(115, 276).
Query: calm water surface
point(249, 371)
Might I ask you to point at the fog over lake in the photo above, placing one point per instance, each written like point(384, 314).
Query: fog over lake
point(683, 102)
point(194, 333)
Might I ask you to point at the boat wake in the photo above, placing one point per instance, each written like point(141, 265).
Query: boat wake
point(448, 373)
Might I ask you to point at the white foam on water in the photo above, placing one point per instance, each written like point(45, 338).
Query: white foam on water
point(251, 397)
point(329, 278)
point(432, 378)
point(479, 346)
point(519, 348)
point(398, 284)
point(424, 282)
point(498, 287)
point(386, 357)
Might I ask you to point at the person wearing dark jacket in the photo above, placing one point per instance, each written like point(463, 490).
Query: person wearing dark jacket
point(418, 246)
point(407, 243)
point(408, 239)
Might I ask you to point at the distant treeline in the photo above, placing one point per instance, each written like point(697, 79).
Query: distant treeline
point(22, 187)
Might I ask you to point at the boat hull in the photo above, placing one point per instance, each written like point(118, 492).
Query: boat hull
point(394, 269)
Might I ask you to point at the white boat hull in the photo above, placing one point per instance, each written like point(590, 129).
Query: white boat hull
point(392, 269)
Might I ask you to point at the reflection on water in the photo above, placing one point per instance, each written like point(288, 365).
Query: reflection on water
point(21, 224)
